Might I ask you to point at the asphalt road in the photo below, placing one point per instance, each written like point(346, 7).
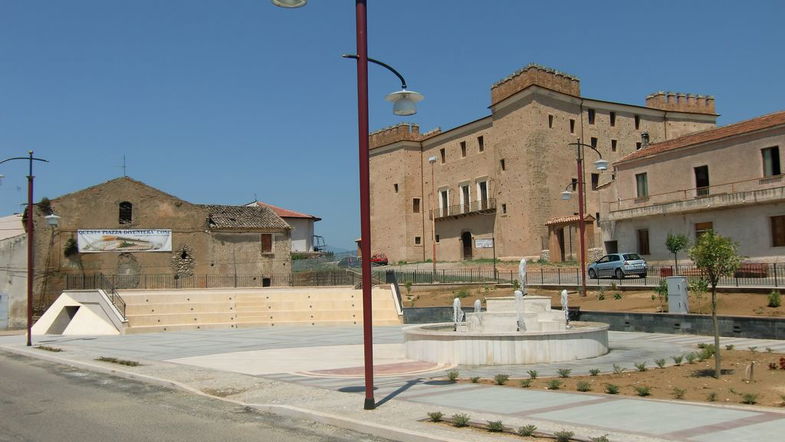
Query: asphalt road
point(43, 401)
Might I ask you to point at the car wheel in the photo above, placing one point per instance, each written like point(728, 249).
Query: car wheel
point(592, 274)
point(619, 274)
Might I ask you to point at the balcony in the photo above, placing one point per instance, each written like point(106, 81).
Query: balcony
point(466, 209)
point(739, 193)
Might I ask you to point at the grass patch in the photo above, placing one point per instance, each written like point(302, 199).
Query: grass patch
point(48, 348)
point(118, 361)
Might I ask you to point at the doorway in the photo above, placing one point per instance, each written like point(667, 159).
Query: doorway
point(702, 180)
point(466, 239)
point(560, 239)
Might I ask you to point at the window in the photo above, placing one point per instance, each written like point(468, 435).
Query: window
point(416, 205)
point(504, 208)
point(574, 183)
point(417, 240)
point(702, 180)
point(481, 143)
point(771, 161)
point(267, 242)
point(594, 142)
point(465, 199)
point(778, 231)
point(597, 216)
point(638, 145)
point(395, 186)
point(643, 241)
point(591, 116)
point(126, 212)
point(437, 238)
point(613, 119)
point(572, 126)
point(701, 228)
point(637, 122)
point(642, 185)
point(613, 145)
point(482, 192)
point(550, 121)
point(595, 181)
point(463, 149)
point(501, 164)
point(444, 202)
point(443, 154)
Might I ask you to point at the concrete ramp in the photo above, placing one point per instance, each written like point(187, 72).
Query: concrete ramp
point(80, 312)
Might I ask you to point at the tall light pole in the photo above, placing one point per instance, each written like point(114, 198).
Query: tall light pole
point(29, 227)
point(404, 103)
point(600, 164)
point(432, 160)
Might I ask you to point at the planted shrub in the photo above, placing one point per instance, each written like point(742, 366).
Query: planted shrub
point(677, 359)
point(594, 371)
point(601, 297)
point(526, 383)
point(563, 436)
point(603, 438)
point(690, 357)
point(660, 363)
point(564, 372)
point(617, 296)
point(460, 420)
point(526, 430)
point(775, 300)
point(474, 379)
point(452, 375)
point(435, 416)
point(708, 351)
point(611, 389)
point(641, 366)
point(618, 369)
point(462, 293)
point(642, 390)
point(583, 386)
point(749, 398)
point(711, 397)
point(532, 374)
point(501, 379)
point(554, 384)
point(495, 426)
point(678, 393)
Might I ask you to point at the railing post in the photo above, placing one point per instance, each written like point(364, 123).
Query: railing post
point(775, 274)
point(558, 274)
point(542, 276)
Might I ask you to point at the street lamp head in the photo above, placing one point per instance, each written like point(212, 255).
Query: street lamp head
point(566, 195)
point(289, 3)
point(432, 160)
point(601, 164)
point(404, 102)
point(52, 220)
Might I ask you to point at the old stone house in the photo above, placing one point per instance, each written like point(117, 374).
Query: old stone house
point(138, 236)
point(497, 180)
point(728, 179)
point(302, 226)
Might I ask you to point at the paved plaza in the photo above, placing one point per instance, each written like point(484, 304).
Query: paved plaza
point(318, 371)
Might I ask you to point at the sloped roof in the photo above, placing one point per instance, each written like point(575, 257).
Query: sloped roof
point(567, 219)
point(286, 213)
point(714, 134)
point(243, 217)
point(122, 179)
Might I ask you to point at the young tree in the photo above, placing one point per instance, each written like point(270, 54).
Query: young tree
point(715, 256)
point(675, 243)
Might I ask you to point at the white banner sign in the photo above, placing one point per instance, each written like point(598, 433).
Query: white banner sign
point(152, 240)
point(483, 243)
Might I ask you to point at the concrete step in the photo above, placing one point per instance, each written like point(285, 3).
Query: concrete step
point(299, 315)
point(177, 327)
point(181, 318)
point(180, 307)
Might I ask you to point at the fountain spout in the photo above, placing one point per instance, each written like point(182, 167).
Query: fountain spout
point(457, 312)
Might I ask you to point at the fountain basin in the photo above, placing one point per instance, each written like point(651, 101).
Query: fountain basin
point(439, 343)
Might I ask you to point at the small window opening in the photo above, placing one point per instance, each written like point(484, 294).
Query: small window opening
point(550, 121)
point(613, 119)
point(396, 187)
point(591, 116)
point(637, 122)
point(572, 126)
point(416, 205)
point(613, 145)
point(504, 208)
point(443, 154)
point(502, 165)
point(417, 240)
point(481, 143)
point(126, 212)
point(594, 142)
point(595, 181)
point(463, 149)
point(638, 145)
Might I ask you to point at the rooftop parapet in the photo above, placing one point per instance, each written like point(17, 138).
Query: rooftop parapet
point(394, 134)
point(535, 74)
point(681, 102)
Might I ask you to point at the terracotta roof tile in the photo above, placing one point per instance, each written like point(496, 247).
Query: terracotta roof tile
point(243, 217)
point(764, 122)
point(286, 213)
point(567, 219)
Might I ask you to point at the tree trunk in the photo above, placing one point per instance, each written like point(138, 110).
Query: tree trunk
point(675, 265)
point(717, 370)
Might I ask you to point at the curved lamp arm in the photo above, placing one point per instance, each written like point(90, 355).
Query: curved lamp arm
point(383, 64)
point(601, 164)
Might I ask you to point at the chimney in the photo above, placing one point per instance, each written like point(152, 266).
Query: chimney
point(644, 140)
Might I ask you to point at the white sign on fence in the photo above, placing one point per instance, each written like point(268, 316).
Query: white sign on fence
point(124, 240)
point(483, 243)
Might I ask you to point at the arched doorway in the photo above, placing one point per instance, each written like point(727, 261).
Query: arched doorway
point(466, 240)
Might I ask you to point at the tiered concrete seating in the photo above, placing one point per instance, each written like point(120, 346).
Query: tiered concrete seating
point(193, 309)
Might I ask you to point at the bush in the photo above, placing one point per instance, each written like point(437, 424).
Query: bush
point(501, 379)
point(495, 426)
point(452, 375)
point(775, 300)
point(708, 351)
point(641, 366)
point(711, 397)
point(526, 430)
point(617, 296)
point(690, 357)
point(594, 371)
point(601, 297)
point(554, 384)
point(660, 363)
point(677, 359)
point(564, 372)
point(436, 416)
point(583, 386)
point(618, 369)
point(462, 293)
point(611, 389)
point(642, 390)
point(603, 438)
point(475, 379)
point(563, 436)
point(532, 374)
point(749, 398)
point(526, 383)
point(460, 420)
point(678, 393)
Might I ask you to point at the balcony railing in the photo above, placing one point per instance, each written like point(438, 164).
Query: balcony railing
point(479, 206)
point(699, 194)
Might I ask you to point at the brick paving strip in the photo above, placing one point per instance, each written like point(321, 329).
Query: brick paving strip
point(727, 425)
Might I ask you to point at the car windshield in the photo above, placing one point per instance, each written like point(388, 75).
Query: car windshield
point(631, 256)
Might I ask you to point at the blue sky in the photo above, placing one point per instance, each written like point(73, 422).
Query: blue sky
point(221, 101)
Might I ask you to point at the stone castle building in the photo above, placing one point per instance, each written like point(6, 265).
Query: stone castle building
point(500, 177)
point(207, 245)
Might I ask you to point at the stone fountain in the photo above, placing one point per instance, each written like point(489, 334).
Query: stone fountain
point(519, 329)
